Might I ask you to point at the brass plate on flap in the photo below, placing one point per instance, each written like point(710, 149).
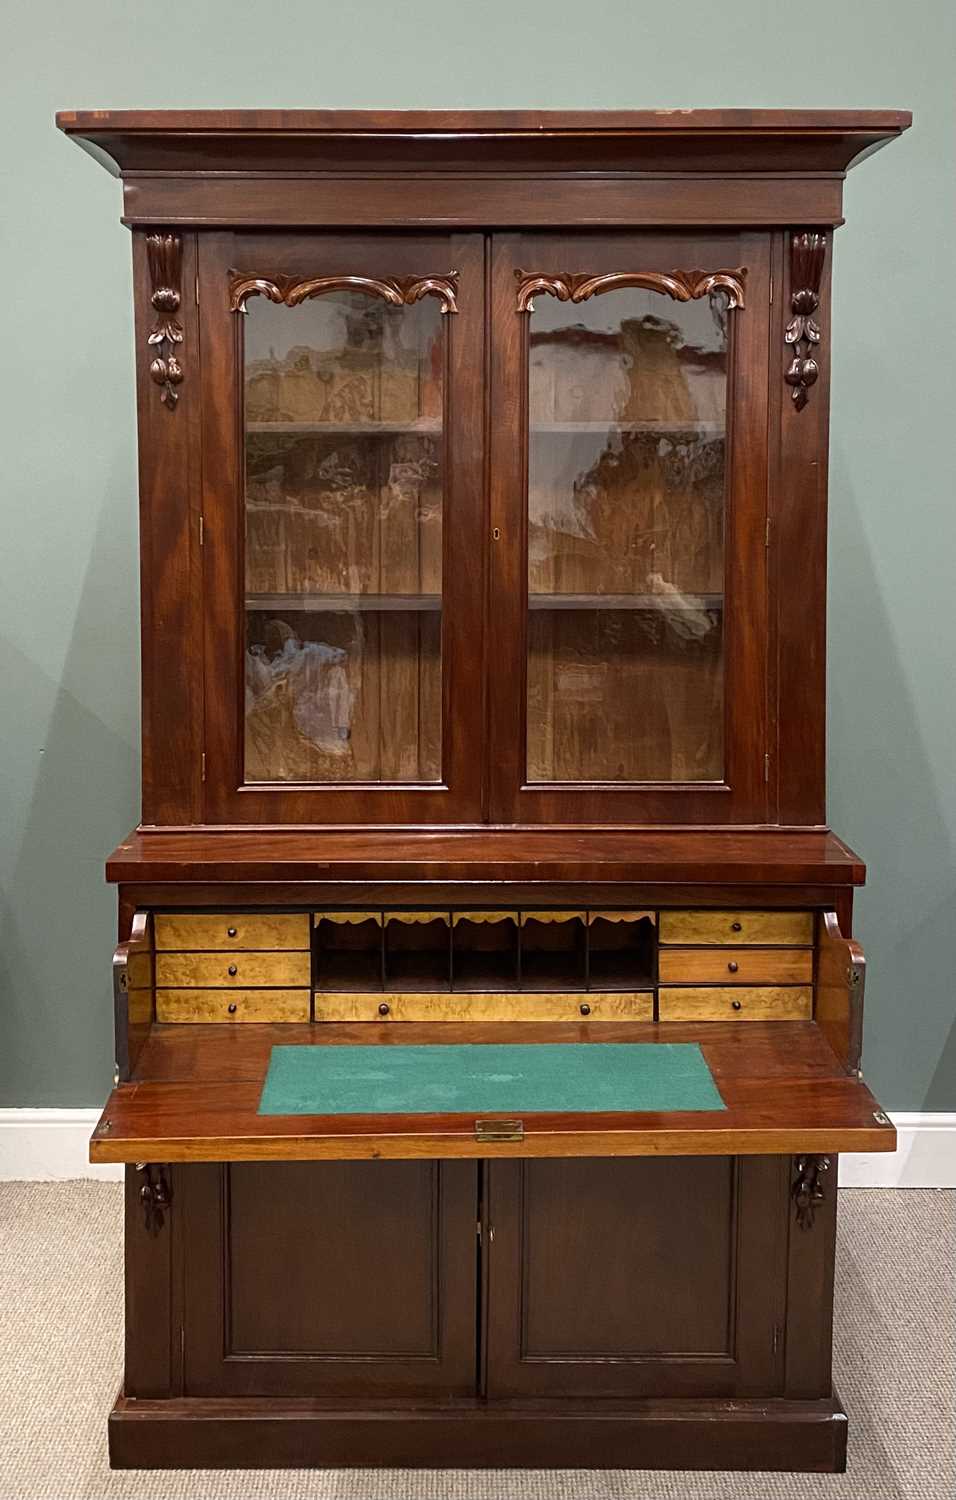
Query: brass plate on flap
point(499, 1130)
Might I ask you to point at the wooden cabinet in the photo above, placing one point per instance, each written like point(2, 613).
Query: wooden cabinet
point(483, 523)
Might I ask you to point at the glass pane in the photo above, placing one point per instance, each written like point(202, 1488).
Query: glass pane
point(343, 526)
point(626, 481)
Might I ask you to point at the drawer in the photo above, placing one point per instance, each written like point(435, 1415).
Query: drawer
point(735, 966)
point(631, 1006)
point(240, 970)
point(763, 1003)
point(232, 1005)
point(782, 929)
point(268, 930)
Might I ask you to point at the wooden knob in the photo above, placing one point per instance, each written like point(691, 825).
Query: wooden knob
point(732, 967)
point(234, 971)
point(735, 927)
point(735, 1004)
point(232, 1008)
point(585, 1010)
point(231, 932)
point(383, 1009)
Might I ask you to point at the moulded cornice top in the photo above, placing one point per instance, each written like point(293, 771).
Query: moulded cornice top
point(196, 142)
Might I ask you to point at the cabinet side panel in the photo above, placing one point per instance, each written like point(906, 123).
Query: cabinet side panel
point(169, 470)
point(798, 552)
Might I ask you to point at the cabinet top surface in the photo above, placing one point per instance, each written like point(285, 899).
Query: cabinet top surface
point(697, 139)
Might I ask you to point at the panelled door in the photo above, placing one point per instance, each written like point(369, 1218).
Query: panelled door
point(635, 1277)
point(348, 1278)
point(343, 531)
point(629, 526)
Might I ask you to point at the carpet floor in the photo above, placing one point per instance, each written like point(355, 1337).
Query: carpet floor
point(61, 1316)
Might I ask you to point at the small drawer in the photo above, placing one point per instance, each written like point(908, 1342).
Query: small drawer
point(782, 929)
point(636, 1006)
point(266, 930)
point(764, 1003)
point(735, 966)
point(232, 1005)
point(242, 970)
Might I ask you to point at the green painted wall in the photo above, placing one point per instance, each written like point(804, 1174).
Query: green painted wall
point(68, 572)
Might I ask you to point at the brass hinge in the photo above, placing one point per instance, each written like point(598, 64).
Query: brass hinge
point(766, 540)
point(771, 292)
point(775, 1341)
point(499, 1130)
point(197, 289)
point(766, 766)
point(202, 532)
point(203, 765)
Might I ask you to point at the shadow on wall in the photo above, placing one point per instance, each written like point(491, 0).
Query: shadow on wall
point(884, 799)
point(58, 918)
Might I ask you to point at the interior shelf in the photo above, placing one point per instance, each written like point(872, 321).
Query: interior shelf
point(626, 601)
point(344, 603)
point(195, 1095)
point(424, 426)
point(706, 429)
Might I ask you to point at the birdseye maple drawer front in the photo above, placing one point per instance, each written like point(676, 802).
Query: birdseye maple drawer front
point(195, 1005)
point(755, 1003)
point(530, 1006)
point(783, 929)
point(269, 931)
point(245, 970)
point(735, 966)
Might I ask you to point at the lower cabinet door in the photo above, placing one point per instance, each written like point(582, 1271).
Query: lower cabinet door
point(635, 1276)
point(329, 1279)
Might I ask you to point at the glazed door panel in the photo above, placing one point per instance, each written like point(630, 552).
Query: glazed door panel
point(635, 1277)
point(343, 401)
point(629, 501)
point(330, 1279)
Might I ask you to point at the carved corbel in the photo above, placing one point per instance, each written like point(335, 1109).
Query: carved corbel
point(155, 1195)
point(807, 254)
point(808, 1189)
point(164, 254)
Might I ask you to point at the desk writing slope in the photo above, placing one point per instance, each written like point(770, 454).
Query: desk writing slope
point(196, 1097)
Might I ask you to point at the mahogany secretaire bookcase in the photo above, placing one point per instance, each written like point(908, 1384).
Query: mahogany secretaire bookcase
point(483, 470)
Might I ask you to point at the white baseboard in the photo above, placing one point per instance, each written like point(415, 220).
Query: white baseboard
point(52, 1145)
point(49, 1145)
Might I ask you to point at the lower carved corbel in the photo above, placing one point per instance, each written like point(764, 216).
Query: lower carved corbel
point(155, 1195)
point(808, 1189)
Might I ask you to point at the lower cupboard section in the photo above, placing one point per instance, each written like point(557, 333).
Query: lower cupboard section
point(572, 1279)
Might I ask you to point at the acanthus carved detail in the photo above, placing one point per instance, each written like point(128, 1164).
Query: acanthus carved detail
point(155, 1195)
point(808, 1187)
point(400, 291)
point(164, 253)
point(807, 254)
point(683, 286)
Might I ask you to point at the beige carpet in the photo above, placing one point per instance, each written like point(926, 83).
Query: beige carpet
point(60, 1353)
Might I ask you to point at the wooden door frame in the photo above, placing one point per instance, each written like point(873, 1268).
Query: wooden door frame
point(457, 797)
point(742, 796)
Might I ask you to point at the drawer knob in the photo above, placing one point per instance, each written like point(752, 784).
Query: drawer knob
point(234, 971)
point(585, 1010)
point(231, 932)
point(383, 1009)
point(735, 1004)
point(736, 926)
point(732, 967)
point(232, 1008)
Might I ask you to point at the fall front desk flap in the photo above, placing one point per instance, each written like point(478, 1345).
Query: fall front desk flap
point(488, 1079)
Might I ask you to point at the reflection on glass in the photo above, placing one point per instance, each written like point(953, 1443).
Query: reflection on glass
point(343, 527)
point(626, 482)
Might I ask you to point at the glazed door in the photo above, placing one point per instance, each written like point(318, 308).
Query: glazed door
point(330, 1278)
point(342, 527)
point(629, 528)
point(635, 1277)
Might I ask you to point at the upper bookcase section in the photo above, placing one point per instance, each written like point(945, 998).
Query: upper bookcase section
point(225, 167)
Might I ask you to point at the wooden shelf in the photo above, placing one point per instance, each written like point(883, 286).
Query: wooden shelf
point(195, 1097)
point(654, 602)
point(345, 603)
point(665, 429)
point(420, 427)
